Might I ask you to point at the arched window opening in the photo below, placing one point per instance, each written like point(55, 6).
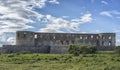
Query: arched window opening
point(109, 43)
point(103, 37)
point(53, 37)
point(80, 37)
point(35, 36)
point(109, 37)
point(92, 36)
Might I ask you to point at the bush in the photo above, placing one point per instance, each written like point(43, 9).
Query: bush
point(118, 50)
point(92, 49)
point(23, 52)
point(81, 49)
point(74, 49)
point(84, 49)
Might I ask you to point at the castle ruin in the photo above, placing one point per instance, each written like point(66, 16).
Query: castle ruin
point(58, 42)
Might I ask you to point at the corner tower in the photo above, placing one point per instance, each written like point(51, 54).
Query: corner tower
point(106, 41)
point(25, 38)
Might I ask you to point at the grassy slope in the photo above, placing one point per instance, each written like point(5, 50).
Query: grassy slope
point(59, 62)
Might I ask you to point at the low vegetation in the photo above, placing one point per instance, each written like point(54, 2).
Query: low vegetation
point(99, 61)
point(81, 49)
point(87, 59)
point(118, 50)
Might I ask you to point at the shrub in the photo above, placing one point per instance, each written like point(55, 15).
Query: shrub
point(92, 49)
point(81, 49)
point(23, 52)
point(84, 49)
point(74, 49)
point(118, 50)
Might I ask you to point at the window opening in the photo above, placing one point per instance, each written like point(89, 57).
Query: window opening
point(35, 36)
point(109, 37)
point(80, 37)
point(91, 36)
point(103, 37)
point(109, 43)
point(53, 37)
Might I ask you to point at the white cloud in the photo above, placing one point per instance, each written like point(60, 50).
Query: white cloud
point(86, 18)
point(54, 1)
point(115, 12)
point(56, 24)
point(106, 13)
point(11, 40)
point(17, 15)
point(65, 16)
point(84, 32)
point(104, 2)
point(112, 13)
point(118, 41)
point(97, 31)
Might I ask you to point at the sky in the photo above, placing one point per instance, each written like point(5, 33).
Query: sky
point(69, 16)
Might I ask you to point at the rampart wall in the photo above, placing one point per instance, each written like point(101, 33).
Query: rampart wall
point(58, 42)
point(31, 49)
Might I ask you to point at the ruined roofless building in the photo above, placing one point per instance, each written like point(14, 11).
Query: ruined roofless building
point(58, 42)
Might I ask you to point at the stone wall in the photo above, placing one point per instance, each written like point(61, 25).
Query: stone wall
point(58, 49)
point(65, 39)
point(58, 42)
point(25, 38)
point(0, 49)
point(31, 49)
point(105, 48)
point(106, 41)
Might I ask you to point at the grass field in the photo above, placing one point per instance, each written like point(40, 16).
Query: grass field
point(100, 61)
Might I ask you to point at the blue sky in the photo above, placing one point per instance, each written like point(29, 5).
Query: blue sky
point(78, 16)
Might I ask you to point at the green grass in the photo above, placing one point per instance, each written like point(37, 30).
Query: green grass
point(100, 61)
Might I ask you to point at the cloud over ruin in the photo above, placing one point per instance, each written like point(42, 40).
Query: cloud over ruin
point(17, 15)
point(57, 16)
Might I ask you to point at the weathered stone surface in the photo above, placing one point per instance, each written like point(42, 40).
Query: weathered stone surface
point(31, 49)
point(58, 42)
point(0, 49)
point(58, 49)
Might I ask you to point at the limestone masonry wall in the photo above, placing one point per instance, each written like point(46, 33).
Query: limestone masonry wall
point(31, 49)
point(0, 50)
point(58, 42)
